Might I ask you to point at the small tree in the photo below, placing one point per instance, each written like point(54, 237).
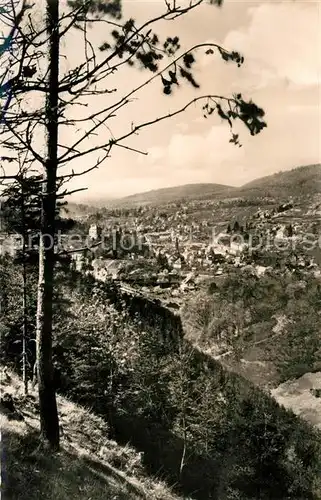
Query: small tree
point(21, 215)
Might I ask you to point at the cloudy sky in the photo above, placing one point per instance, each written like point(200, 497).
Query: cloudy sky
point(281, 43)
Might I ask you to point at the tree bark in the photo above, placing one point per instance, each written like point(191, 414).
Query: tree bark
point(49, 421)
point(24, 293)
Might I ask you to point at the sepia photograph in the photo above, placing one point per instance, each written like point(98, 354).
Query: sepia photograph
point(160, 249)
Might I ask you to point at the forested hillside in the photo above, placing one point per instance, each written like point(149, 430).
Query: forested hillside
point(267, 327)
point(295, 182)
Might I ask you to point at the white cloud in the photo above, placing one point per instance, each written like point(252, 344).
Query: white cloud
point(182, 127)
point(283, 40)
point(281, 46)
point(195, 152)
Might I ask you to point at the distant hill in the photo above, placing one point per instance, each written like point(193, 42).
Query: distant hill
point(177, 193)
point(298, 181)
point(304, 180)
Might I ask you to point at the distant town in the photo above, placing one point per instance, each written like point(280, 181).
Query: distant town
point(169, 250)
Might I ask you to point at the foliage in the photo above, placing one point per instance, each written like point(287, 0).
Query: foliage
point(11, 313)
point(299, 348)
point(209, 431)
point(280, 311)
point(89, 464)
point(11, 310)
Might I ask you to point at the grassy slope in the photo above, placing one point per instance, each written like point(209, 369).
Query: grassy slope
point(88, 466)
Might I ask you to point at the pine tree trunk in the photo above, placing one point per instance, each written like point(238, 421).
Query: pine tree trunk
point(24, 306)
point(49, 421)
